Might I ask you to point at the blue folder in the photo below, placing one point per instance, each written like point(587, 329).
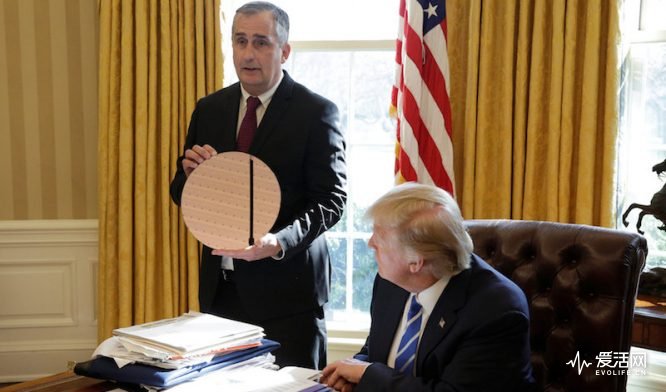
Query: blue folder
point(106, 369)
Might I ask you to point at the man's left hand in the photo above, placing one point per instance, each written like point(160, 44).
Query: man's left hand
point(266, 246)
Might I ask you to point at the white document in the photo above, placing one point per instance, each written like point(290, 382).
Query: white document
point(114, 348)
point(249, 379)
point(191, 333)
point(301, 373)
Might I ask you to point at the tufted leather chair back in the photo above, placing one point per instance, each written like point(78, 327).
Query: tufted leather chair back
point(580, 282)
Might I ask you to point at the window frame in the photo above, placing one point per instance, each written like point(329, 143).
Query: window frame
point(633, 33)
point(354, 327)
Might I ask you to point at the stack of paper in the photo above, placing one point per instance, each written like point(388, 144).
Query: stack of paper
point(182, 341)
point(168, 352)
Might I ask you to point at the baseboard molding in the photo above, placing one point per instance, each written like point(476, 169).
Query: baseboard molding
point(22, 366)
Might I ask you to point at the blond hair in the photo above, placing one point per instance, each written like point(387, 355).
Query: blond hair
point(427, 221)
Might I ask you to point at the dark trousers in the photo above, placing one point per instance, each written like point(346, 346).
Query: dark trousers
point(302, 336)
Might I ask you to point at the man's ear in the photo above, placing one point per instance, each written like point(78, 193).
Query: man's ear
point(286, 50)
point(416, 265)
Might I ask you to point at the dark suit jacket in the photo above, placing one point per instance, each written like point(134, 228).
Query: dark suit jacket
point(299, 139)
point(476, 338)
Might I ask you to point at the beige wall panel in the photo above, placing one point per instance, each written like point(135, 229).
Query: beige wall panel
point(28, 150)
point(61, 88)
point(45, 76)
point(48, 108)
point(89, 37)
point(15, 131)
point(6, 195)
point(76, 108)
point(41, 293)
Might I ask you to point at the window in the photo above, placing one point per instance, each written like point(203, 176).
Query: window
point(344, 51)
point(359, 82)
point(642, 137)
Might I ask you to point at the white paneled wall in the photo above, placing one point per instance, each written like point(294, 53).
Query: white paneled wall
point(48, 272)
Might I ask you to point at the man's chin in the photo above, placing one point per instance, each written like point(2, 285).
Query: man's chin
point(251, 83)
point(250, 76)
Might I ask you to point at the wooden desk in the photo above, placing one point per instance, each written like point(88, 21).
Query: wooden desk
point(62, 382)
point(649, 329)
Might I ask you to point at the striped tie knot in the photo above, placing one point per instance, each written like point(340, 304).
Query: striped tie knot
point(405, 359)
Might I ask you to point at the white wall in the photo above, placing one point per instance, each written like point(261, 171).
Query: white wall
point(48, 275)
point(47, 296)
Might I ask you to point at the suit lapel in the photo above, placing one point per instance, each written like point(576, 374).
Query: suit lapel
point(444, 315)
point(274, 112)
point(393, 299)
point(229, 119)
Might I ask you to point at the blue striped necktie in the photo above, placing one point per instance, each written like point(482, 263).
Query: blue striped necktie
point(404, 361)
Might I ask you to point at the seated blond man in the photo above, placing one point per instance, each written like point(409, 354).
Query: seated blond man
point(442, 318)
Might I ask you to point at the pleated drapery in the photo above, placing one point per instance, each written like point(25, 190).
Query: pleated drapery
point(156, 59)
point(534, 87)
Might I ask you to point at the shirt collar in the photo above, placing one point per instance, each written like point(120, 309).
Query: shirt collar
point(428, 298)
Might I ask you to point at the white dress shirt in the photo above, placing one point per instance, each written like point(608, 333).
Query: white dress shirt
point(428, 299)
point(265, 98)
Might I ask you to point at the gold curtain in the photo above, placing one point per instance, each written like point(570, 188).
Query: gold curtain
point(534, 108)
point(156, 59)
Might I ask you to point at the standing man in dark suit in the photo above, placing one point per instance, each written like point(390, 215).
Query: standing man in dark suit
point(282, 282)
point(442, 319)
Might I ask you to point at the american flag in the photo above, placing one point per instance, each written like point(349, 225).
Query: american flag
point(420, 96)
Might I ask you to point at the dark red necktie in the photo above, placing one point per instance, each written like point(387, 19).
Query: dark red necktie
point(248, 126)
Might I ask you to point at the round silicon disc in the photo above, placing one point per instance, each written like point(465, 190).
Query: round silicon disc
point(217, 205)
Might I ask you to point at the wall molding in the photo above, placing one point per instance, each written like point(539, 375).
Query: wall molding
point(54, 270)
point(43, 345)
point(49, 232)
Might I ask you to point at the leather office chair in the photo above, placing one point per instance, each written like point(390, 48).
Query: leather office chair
point(580, 282)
